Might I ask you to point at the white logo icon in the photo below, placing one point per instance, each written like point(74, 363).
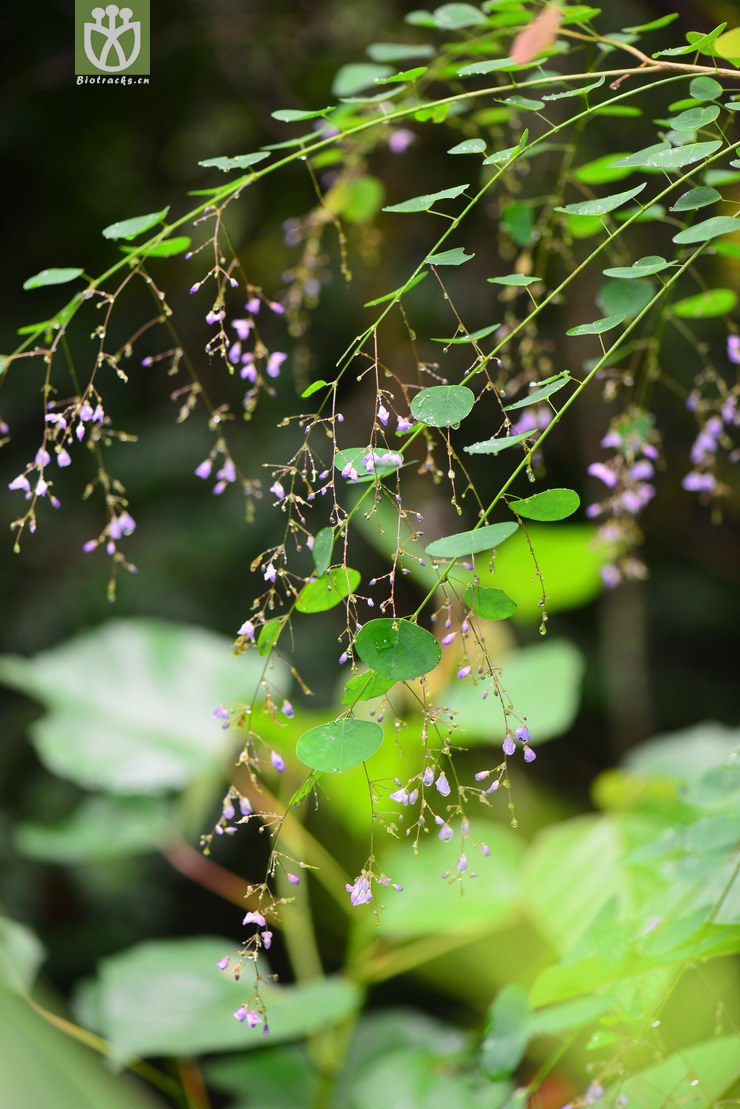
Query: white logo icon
point(107, 35)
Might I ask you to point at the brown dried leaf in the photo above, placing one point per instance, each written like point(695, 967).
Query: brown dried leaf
point(537, 36)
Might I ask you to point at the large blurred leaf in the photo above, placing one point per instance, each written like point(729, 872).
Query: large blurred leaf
point(40, 1066)
point(167, 997)
point(328, 590)
point(21, 955)
point(100, 828)
point(430, 904)
point(694, 1078)
point(129, 704)
point(544, 683)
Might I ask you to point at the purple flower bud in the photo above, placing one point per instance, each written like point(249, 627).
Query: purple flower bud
point(699, 483)
point(482, 775)
point(403, 425)
point(493, 787)
point(642, 470)
point(277, 761)
point(428, 776)
point(603, 473)
point(294, 879)
point(254, 918)
point(462, 863)
point(508, 746)
point(400, 140)
point(223, 963)
point(253, 305)
point(245, 806)
point(274, 362)
point(90, 545)
point(278, 490)
point(287, 709)
point(443, 786)
point(63, 458)
point(269, 572)
point(522, 734)
point(247, 629)
point(485, 850)
point(266, 940)
point(463, 672)
point(445, 833)
point(448, 639)
point(733, 349)
point(529, 755)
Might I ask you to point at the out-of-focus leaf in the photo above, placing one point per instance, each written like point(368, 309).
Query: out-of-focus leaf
point(696, 1077)
point(358, 76)
point(130, 228)
point(100, 828)
point(507, 1033)
point(327, 591)
point(711, 302)
point(21, 955)
point(124, 712)
point(52, 277)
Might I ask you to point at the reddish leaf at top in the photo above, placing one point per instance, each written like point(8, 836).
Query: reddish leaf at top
point(537, 36)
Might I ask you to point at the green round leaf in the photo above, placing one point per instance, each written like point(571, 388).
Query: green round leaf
point(696, 198)
point(705, 88)
point(643, 267)
point(468, 146)
point(443, 405)
point(130, 228)
point(713, 302)
point(323, 545)
point(397, 649)
point(694, 118)
point(491, 604)
point(597, 327)
point(551, 504)
point(363, 687)
point(340, 745)
point(358, 76)
point(51, 277)
point(328, 591)
point(603, 205)
point(467, 543)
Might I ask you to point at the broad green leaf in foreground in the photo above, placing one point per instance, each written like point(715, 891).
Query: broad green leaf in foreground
point(443, 405)
point(327, 591)
point(696, 1077)
point(125, 712)
point(539, 394)
point(130, 228)
point(551, 504)
point(52, 277)
point(696, 198)
point(694, 118)
point(397, 649)
point(466, 543)
point(322, 549)
point(643, 267)
point(506, 1034)
point(167, 997)
point(339, 745)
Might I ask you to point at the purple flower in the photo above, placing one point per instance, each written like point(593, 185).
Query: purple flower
point(20, 482)
point(610, 576)
point(220, 713)
point(277, 761)
point(294, 879)
point(360, 892)
point(529, 755)
point(699, 483)
point(274, 362)
point(269, 572)
point(286, 708)
point(215, 315)
point(403, 425)
point(522, 734)
point(278, 490)
point(463, 672)
point(733, 349)
point(242, 328)
point(247, 629)
point(63, 458)
point(253, 305)
point(254, 918)
point(485, 850)
point(401, 796)
point(603, 473)
point(383, 415)
point(400, 139)
point(443, 786)
point(266, 939)
point(204, 469)
point(350, 472)
point(223, 963)
point(508, 746)
point(428, 776)
point(448, 639)
point(245, 1014)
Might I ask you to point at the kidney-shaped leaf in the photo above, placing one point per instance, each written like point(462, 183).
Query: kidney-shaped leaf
point(339, 745)
point(129, 704)
point(466, 543)
point(551, 504)
point(397, 649)
point(167, 997)
point(443, 405)
point(130, 228)
point(328, 590)
point(489, 603)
